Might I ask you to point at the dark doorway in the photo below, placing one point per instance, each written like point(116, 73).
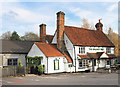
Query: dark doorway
point(33, 70)
point(93, 64)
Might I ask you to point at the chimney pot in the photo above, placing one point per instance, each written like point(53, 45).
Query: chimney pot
point(99, 26)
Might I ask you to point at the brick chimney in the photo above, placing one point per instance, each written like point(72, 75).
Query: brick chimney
point(60, 30)
point(99, 26)
point(43, 33)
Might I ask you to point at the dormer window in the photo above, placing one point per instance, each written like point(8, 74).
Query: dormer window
point(81, 50)
point(108, 50)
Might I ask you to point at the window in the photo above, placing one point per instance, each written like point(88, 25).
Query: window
point(70, 65)
point(82, 50)
point(80, 63)
point(12, 62)
point(83, 63)
point(56, 64)
point(108, 50)
point(9, 61)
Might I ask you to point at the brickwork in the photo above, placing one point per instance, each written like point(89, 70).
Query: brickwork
point(43, 33)
point(99, 26)
point(60, 30)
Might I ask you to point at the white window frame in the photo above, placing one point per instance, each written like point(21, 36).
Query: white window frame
point(81, 50)
point(84, 63)
point(108, 50)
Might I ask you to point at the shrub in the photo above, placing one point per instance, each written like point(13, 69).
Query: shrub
point(19, 63)
point(40, 69)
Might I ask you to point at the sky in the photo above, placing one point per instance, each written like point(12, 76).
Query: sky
point(27, 16)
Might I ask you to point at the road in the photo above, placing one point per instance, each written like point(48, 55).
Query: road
point(64, 79)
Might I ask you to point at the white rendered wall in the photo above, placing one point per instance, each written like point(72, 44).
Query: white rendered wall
point(88, 49)
point(35, 51)
point(54, 41)
point(48, 62)
point(69, 47)
point(51, 65)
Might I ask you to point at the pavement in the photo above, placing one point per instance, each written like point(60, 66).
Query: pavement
point(64, 79)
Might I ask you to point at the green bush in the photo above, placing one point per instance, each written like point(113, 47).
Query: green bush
point(40, 69)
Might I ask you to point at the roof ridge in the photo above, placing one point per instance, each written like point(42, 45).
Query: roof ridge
point(80, 28)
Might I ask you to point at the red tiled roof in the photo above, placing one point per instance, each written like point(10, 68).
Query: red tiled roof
point(85, 37)
point(49, 38)
point(49, 50)
point(83, 56)
point(66, 54)
point(111, 56)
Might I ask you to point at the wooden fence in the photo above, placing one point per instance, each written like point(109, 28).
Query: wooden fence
point(13, 71)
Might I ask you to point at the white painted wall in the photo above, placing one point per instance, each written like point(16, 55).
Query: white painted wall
point(5, 57)
point(54, 41)
point(69, 47)
point(51, 65)
point(88, 49)
point(112, 50)
point(70, 69)
point(35, 51)
point(48, 62)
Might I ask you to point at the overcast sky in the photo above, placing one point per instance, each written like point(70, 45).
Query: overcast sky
point(26, 16)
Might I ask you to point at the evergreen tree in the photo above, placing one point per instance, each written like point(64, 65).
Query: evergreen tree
point(15, 36)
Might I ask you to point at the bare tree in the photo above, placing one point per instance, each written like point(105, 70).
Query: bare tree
point(6, 35)
point(114, 39)
point(87, 25)
point(30, 36)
